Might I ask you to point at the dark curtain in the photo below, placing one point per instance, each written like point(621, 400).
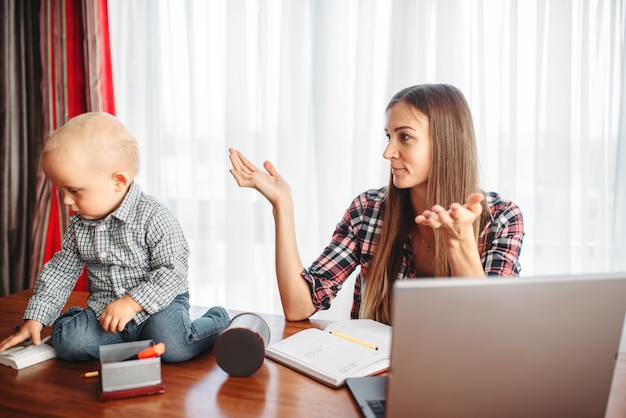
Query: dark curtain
point(21, 141)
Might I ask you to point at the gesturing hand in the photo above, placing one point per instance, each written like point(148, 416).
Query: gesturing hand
point(270, 184)
point(456, 222)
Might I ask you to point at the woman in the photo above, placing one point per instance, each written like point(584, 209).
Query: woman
point(402, 231)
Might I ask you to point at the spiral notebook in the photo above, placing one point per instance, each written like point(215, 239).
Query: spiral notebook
point(506, 347)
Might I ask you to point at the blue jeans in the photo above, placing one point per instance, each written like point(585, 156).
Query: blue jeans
point(77, 334)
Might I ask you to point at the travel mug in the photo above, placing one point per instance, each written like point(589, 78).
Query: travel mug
point(240, 348)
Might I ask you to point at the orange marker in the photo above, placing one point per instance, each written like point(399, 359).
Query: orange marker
point(154, 351)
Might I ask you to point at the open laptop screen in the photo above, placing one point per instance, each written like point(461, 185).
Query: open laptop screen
point(506, 347)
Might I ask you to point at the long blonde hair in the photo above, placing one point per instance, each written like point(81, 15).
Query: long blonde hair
point(454, 175)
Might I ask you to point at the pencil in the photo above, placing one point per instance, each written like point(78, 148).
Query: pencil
point(354, 340)
point(90, 374)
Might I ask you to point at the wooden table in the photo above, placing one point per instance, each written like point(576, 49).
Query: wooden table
point(195, 388)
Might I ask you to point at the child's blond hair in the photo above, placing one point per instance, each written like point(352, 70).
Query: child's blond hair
point(102, 138)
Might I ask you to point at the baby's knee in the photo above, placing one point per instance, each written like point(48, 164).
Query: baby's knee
point(71, 338)
point(70, 348)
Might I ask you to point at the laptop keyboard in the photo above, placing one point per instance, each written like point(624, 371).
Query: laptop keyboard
point(378, 407)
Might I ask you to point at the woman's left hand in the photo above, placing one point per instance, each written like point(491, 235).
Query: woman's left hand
point(456, 222)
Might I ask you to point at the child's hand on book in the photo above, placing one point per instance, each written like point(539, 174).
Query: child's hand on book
point(31, 329)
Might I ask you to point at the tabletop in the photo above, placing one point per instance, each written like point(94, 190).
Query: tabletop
point(195, 388)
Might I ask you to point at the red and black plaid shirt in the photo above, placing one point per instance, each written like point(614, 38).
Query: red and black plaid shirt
point(355, 240)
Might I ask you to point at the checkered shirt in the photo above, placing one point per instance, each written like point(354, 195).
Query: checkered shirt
point(139, 249)
point(355, 240)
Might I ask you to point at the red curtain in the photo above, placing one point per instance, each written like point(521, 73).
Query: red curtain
point(77, 78)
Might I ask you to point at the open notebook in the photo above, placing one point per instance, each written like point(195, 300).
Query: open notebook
point(506, 347)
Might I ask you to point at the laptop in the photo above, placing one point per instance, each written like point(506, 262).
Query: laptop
point(506, 347)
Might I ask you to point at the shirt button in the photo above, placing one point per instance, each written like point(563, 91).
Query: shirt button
point(122, 291)
point(103, 255)
point(102, 227)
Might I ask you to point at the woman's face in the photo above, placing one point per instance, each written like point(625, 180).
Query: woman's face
point(409, 147)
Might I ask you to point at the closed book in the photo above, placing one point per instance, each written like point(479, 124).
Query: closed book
point(22, 356)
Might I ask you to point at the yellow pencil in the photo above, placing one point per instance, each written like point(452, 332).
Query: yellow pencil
point(90, 374)
point(354, 340)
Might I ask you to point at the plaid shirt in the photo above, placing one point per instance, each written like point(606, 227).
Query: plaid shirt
point(139, 250)
point(355, 241)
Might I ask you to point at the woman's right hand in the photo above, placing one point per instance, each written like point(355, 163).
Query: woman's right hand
point(270, 184)
point(295, 292)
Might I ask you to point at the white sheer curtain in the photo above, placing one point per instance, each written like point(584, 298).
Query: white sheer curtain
point(304, 84)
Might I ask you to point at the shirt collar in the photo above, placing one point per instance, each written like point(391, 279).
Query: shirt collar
point(126, 211)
